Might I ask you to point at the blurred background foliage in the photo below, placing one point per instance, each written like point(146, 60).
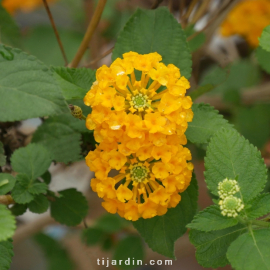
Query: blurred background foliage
point(238, 72)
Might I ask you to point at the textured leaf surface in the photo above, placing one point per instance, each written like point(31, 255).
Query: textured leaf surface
point(251, 251)
point(129, 248)
point(2, 155)
point(39, 205)
point(260, 206)
point(228, 155)
point(6, 254)
point(27, 87)
point(74, 82)
point(206, 122)
point(7, 224)
point(211, 247)
point(70, 208)
point(57, 257)
point(210, 219)
point(265, 39)
point(7, 182)
point(26, 188)
point(161, 232)
point(10, 32)
point(263, 58)
point(155, 31)
point(33, 160)
point(62, 141)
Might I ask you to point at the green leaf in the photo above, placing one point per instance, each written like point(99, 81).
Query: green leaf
point(7, 223)
point(253, 123)
point(26, 188)
point(40, 41)
point(260, 206)
point(20, 192)
point(2, 155)
point(57, 256)
point(211, 247)
point(18, 209)
point(70, 208)
point(210, 219)
point(265, 39)
point(7, 182)
point(241, 74)
point(250, 251)
point(110, 223)
point(161, 232)
point(74, 82)
point(206, 122)
point(39, 205)
point(33, 160)
point(28, 88)
point(6, 254)
point(129, 249)
point(10, 32)
point(263, 58)
point(46, 177)
point(93, 236)
point(62, 141)
point(229, 155)
point(155, 31)
point(196, 42)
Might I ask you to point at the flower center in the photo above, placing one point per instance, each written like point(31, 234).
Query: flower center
point(138, 172)
point(139, 101)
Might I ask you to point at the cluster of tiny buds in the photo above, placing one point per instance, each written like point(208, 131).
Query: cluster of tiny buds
point(230, 205)
point(227, 187)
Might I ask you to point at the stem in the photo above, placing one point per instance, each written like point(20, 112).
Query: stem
point(181, 10)
point(6, 199)
point(55, 31)
point(100, 57)
point(200, 11)
point(190, 9)
point(89, 33)
point(260, 223)
point(156, 4)
point(210, 22)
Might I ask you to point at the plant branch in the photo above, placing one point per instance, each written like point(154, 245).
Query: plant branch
point(89, 33)
point(210, 22)
point(55, 31)
point(6, 199)
point(156, 4)
point(260, 223)
point(100, 57)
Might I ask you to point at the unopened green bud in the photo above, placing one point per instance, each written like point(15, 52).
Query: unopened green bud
point(231, 206)
point(227, 187)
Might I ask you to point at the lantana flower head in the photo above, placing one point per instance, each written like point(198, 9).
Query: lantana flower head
point(227, 187)
point(247, 19)
point(146, 185)
point(231, 206)
point(140, 96)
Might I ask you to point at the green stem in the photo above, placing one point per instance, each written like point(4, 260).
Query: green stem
point(260, 223)
point(83, 117)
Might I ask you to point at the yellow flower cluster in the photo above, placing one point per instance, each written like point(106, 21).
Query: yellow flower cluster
point(25, 5)
point(248, 19)
point(139, 116)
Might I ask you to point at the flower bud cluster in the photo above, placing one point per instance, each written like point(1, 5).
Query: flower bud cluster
point(230, 205)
